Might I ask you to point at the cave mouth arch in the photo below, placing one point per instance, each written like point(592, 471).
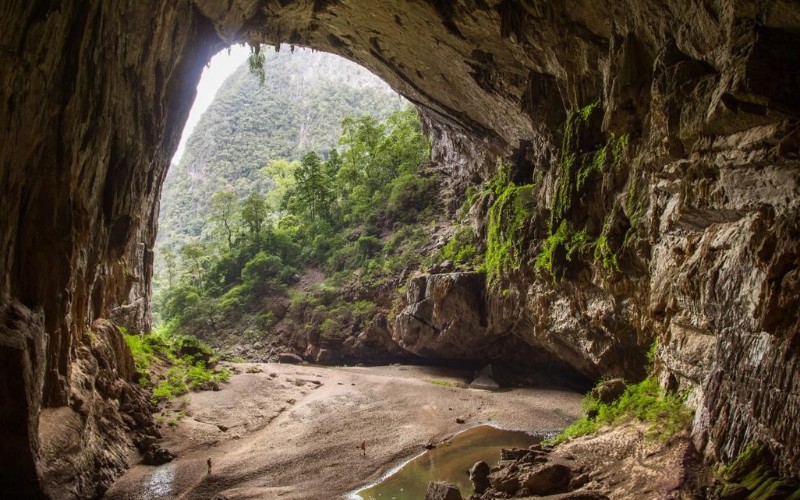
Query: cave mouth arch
point(93, 97)
point(227, 128)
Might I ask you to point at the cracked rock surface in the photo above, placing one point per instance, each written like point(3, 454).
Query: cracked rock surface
point(93, 96)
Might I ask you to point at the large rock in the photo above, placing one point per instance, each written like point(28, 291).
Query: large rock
point(158, 456)
point(445, 316)
point(547, 479)
point(484, 379)
point(505, 480)
point(289, 358)
point(107, 416)
point(479, 476)
point(609, 391)
point(439, 490)
point(701, 208)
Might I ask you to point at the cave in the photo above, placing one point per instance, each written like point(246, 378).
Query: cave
point(706, 94)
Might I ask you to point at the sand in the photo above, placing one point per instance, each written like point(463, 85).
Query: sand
point(293, 432)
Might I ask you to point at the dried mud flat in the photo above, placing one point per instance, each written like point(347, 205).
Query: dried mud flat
point(293, 432)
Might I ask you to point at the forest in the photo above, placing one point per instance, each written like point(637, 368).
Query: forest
point(352, 213)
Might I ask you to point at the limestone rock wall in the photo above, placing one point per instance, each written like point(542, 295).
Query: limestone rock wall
point(93, 95)
point(86, 93)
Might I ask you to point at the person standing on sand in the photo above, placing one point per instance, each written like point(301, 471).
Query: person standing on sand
point(209, 464)
point(363, 448)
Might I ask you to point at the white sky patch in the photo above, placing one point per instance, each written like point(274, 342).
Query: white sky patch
point(214, 75)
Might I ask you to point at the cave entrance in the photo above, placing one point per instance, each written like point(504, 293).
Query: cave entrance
point(276, 192)
point(320, 281)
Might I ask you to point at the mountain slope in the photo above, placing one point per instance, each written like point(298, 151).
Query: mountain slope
point(299, 108)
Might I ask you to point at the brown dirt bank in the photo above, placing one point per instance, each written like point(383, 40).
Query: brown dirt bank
point(293, 431)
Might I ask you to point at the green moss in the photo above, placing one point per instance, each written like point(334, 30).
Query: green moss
point(570, 161)
point(142, 353)
point(470, 197)
point(652, 353)
point(505, 240)
point(646, 402)
point(501, 179)
point(634, 207)
point(619, 150)
point(604, 255)
point(560, 248)
point(577, 169)
point(441, 382)
point(597, 165)
point(586, 112)
point(462, 247)
point(448, 383)
point(753, 469)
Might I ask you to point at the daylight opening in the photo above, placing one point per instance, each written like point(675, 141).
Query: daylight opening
point(303, 219)
point(304, 222)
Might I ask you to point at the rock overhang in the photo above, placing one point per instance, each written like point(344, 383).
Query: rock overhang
point(94, 96)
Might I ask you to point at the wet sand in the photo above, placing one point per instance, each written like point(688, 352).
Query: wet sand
point(293, 432)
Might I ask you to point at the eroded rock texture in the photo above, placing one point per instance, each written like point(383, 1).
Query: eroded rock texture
point(93, 95)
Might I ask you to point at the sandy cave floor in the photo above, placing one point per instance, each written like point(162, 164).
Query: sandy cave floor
point(292, 432)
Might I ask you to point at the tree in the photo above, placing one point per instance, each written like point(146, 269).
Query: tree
point(360, 137)
point(224, 213)
point(260, 272)
point(312, 193)
point(254, 215)
point(281, 173)
point(194, 256)
point(333, 164)
point(169, 260)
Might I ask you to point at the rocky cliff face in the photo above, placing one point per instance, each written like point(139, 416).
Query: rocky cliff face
point(698, 202)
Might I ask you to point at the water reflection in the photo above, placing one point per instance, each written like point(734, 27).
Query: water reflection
point(159, 483)
point(447, 462)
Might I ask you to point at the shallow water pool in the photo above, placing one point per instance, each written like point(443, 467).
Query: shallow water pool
point(449, 461)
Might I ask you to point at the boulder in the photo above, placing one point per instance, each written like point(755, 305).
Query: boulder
point(158, 456)
point(485, 378)
point(440, 490)
point(547, 479)
point(484, 382)
point(445, 267)
point(445, 317)
point(479, 476)
point(513, 453)
point(609, 390)
point(505, 480)
point(289, 358)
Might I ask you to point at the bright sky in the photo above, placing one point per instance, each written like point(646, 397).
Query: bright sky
point(214, 75)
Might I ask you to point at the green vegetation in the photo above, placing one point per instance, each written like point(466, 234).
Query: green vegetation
point(645, 401)
point(579, 166)
point(505, 241)
point(255, 63)
point(353, 213)
point(462, 247)
point(299, 108)
point(571, 160)
point(753, 469)
point(172, 367)
point(448, 383)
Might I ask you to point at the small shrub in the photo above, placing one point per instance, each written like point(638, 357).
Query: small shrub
point(187, 360)
point(645, 401)
point(462, 247)
point(142, 353)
